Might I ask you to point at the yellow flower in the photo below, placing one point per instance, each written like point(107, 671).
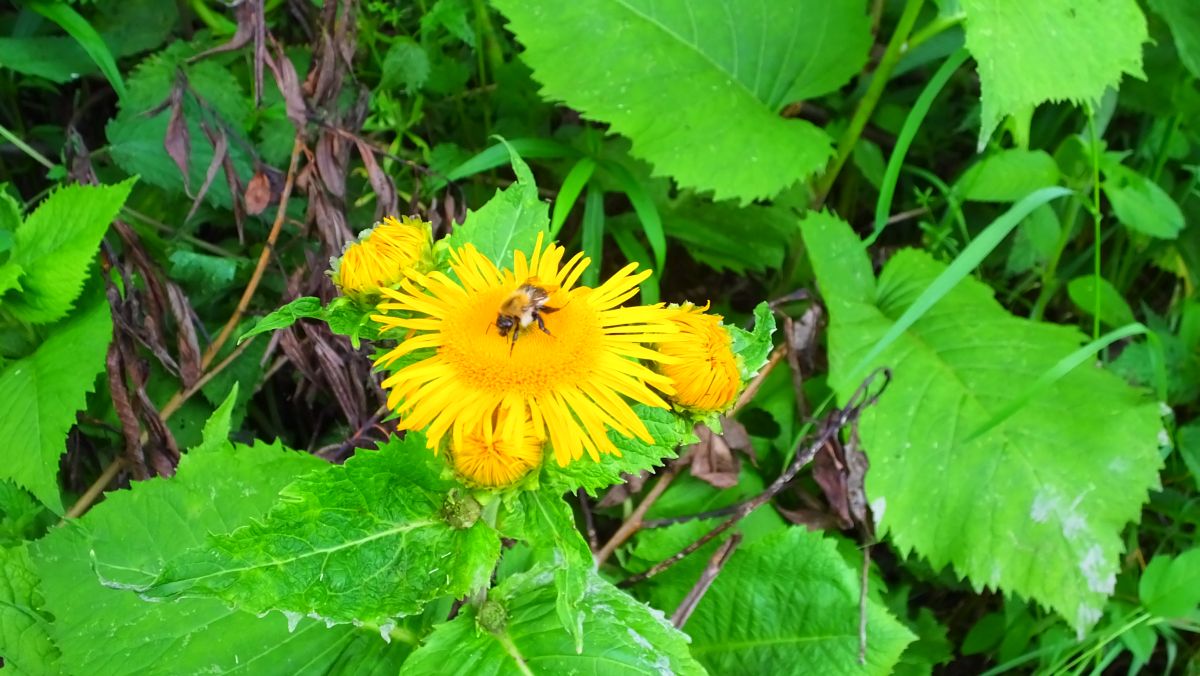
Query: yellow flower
point(489, 458)
point(570, 381)
point(382, 255)
point(705, 375)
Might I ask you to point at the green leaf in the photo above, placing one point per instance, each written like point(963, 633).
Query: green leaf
point(1170, 585)
point(753, 348)
point(1139, 203)
point(1114, 311)
point(24, 626)
point(509, 221)
point(1034, 504)
point(381, 512)
point(621, 635)
point(1035, 241)
point(209, 274)
point(405, 65)
point(1007, 176)
point(725, 236)
point(217, 427)
point(1189, 449)
point(21, 517)
point(742, 65)
point(111, 631)
point(790, 599)
point(40, 394)
point(1183, 18)
point(305, 307)
point(669, 432)
point(549, 527)
point(55, 246)
point(85, 34)
point(136, 138)
point(127, 27)
point(1054, 50)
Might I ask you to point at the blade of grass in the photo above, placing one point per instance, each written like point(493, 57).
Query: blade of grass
point(569, 193)
point(87, 37)
point(497, 155)
point(635, 252)
point(593, 233)
point(646, 212)
point(912, 124)
point(962, 266)
point(1053, 375)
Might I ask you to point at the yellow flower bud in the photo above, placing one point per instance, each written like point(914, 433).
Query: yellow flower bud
point(383, 255)
point(705, 373)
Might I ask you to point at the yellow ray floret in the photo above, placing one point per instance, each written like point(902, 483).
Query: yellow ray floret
point(572, 381)
point(383, 255)
point(705, 375)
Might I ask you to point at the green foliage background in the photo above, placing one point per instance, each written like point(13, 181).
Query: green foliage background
point(996, 202)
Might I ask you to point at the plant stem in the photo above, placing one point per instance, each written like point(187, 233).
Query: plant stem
point(263, 258)
point(25, 148)
point(866, 106)
point(1095, 225)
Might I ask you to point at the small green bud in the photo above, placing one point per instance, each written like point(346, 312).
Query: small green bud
point(492, 616)
point(461, 511)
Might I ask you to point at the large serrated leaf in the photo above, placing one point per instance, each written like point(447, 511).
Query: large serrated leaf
point(668, 430)
point(698, 87)
point(40, 394)
point(55, 245)
point(363, 542)
point(1033, 504)
point(24, 626)
point(790, 599)
point(1052, 50)
point(104, 631)
point(621, 636)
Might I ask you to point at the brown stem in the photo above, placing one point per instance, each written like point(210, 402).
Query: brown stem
point(711, 571)
point(263, 259)
point(862, 398)
point(634, 522)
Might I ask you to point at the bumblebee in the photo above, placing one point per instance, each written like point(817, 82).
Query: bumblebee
point(524, 307)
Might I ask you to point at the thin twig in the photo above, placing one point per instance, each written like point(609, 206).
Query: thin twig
point(707, 577)
point(89, 496)
point(862, 606)
point(860, 400)
point(173, 404)
point(589, 521)
point(633, 523)
point(263, 258)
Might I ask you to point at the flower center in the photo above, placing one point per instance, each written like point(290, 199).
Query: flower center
point(537, 362)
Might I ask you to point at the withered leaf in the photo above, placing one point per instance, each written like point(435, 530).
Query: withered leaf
point(178, 142)
point(258, 193)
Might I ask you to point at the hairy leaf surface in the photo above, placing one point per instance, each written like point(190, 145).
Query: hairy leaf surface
point(698, 87)
point(54, 248)
point(1032, 503)
point(669, 432)
point(790, 599)
point(214, 491)
point(40, 394)
point(621, 636)
point(366, 542)
point(1029, 53)
point(25, 639)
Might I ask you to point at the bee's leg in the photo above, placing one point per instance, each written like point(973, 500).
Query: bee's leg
point(549, 309)
point(513, 343)
point(542, 325)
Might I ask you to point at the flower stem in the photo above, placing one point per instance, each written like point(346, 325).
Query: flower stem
point(896, 48)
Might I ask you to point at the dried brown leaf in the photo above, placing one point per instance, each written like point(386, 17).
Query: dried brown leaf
point(186, 339)
point(621, 492)
point(178, 139)
point(713, 460)
point(220, 150)
point(381, 183)
point(258, 193)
